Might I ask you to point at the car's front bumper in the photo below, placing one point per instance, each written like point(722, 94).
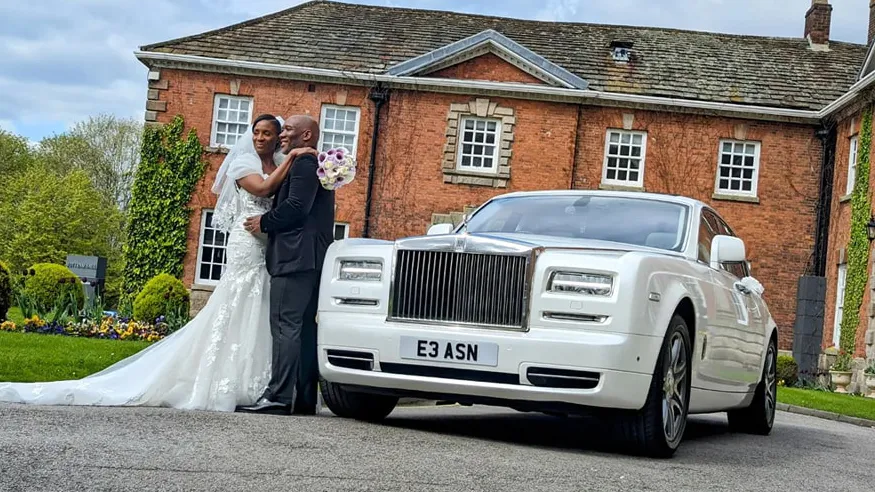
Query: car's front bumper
point(622, 363)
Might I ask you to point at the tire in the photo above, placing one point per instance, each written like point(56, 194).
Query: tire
point(644, 432)
point(354, 405)
point(759, 417)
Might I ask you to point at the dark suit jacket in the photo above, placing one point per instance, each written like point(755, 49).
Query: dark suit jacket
point(300, 226)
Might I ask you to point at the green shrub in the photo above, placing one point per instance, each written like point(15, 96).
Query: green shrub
point(787, 370)
point(47, 284)
point(5, 291)
point(163, 295)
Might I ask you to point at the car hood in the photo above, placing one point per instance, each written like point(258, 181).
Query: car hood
point(554, 243)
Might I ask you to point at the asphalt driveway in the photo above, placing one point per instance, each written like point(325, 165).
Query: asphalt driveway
point(416, 449)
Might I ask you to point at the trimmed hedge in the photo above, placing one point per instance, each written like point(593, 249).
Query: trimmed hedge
point(787, 370)
point(47, 283)
point(163, 295)
point(5, 291)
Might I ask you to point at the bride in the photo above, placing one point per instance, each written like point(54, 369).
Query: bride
point(221, 358)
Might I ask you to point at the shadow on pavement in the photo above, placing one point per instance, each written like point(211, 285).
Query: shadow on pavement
point(704, 435)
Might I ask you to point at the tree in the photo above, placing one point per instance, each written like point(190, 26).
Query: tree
point(107, 148)
point(15, 155)
point(47, 215)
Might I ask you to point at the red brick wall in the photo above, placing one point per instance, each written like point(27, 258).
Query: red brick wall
point(409, 184)
point(682, 153)
point(486, 67)
point(192, 94)
point(839, 235)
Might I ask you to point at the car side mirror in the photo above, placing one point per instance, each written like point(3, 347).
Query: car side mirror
point(726, 249)
point(439, 229)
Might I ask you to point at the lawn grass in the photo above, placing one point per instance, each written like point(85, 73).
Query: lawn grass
point(14, 315)
point(848, 405)
point(31, 357)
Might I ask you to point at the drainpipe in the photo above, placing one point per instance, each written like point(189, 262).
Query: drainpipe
point(379, 95)
point(827, 137)
point(576, 140)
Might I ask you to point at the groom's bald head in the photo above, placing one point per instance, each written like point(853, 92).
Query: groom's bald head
point(299, 131)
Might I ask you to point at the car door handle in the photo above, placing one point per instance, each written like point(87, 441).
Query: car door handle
point(742, 288)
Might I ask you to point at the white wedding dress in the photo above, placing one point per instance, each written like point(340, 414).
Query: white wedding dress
point(219, 360)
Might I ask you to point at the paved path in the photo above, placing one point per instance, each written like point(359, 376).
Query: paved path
point(416, 449)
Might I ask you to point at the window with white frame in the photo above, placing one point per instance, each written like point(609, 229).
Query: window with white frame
point(738, 168)
point(339, 128)
point(341, 231)
point(211, 258)
point(231, 117)
point(841, 280)
point(852, 165)
point(478, 144)
point(624, 158)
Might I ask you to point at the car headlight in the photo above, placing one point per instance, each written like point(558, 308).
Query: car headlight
point(359, 270)
point(592, 284)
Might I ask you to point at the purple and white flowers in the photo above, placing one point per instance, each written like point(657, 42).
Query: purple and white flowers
point(336, 168)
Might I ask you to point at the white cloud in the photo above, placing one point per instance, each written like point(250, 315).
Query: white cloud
point(9, 126)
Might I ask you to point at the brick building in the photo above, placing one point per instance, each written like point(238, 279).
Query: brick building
point(444, 110)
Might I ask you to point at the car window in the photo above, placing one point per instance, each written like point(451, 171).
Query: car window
point(719, 226)
point(660, 224)
point(706, 234)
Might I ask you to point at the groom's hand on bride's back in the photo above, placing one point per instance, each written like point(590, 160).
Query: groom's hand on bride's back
point(253, 224)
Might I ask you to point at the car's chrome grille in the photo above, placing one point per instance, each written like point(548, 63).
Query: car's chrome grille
point(465, 288)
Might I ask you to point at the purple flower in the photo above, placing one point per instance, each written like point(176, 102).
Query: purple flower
point(331, 152)
point(320, 172)
point(322, 157)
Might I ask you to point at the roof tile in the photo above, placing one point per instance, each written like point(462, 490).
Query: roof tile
point(767, 71)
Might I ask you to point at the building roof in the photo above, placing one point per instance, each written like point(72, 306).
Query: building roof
point(702, 66)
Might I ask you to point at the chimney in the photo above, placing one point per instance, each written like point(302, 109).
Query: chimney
point(817, 22)
point(871, 21)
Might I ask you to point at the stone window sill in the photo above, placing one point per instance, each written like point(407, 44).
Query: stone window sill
point(735, 198)
point(217, 150)
point(615, 187)
point(845, 198)
point(454, 176)
point(203, 287)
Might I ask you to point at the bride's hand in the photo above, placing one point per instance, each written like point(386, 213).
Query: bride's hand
point(295, 153)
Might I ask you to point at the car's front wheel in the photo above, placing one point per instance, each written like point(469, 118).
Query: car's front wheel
point(759, 417)
point(355, 405)
point(658, 428)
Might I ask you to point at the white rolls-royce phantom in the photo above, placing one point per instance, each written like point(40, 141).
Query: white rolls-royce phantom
point(636, 307)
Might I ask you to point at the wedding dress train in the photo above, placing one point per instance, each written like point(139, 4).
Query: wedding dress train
point(219, 360)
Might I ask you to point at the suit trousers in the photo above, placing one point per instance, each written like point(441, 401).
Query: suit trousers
point(294, 300)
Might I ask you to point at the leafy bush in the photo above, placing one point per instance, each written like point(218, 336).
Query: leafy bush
point(5, 290)
point(163, 295)
point(48, 284)
point(787, 370)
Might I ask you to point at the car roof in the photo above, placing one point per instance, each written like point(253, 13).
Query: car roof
point(683, 200)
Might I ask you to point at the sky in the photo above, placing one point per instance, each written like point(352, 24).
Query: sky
point(64, 60)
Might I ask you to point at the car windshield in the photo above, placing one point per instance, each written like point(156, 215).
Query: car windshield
point(636, 221)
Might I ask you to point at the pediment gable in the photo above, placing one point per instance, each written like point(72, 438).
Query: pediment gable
point(489, 42)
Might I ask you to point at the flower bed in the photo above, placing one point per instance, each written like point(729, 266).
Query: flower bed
point(108, 328)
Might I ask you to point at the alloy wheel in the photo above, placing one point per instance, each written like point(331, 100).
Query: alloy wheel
point(674, 390)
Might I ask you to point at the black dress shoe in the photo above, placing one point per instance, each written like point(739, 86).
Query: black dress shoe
point(264, 405)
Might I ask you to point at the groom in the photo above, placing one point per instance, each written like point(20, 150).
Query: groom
point(299, 227)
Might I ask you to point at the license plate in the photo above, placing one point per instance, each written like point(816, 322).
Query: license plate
point(473, 353)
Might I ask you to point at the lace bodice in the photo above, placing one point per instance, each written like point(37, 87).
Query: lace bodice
point(245, 250)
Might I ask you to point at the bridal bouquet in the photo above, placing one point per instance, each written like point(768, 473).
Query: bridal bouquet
point(336, 168)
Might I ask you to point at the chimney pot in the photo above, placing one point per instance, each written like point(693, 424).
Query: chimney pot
point(818, 20)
